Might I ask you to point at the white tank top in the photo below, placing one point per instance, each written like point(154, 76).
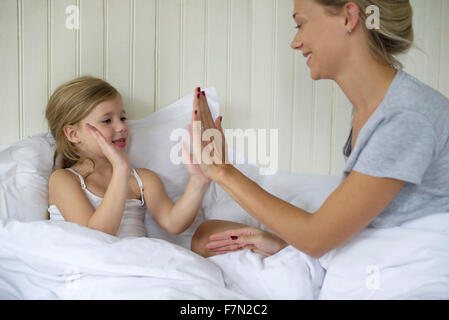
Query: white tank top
point(132, 224)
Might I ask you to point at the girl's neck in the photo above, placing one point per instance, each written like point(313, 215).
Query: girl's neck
point(102, 166)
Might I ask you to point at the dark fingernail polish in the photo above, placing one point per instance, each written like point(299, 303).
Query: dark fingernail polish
point(198, 95)
point(196, 112)
point(198, 89)
point(234, 237)
point(204, 94)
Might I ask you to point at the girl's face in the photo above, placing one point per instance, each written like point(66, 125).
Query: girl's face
point(320, 37)
point(109, 117)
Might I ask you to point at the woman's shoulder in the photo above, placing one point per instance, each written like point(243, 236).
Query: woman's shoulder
point(413, 95)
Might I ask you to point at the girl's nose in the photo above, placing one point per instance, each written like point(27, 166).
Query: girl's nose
point(122, 127)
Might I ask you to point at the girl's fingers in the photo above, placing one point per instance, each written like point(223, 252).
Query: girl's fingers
point(186, 155)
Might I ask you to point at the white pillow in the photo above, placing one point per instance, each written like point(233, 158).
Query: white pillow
point(150, 147)
point(25, 165)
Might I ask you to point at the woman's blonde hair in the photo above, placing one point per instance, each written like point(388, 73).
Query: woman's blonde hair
point(69, 104)
point(395, 34)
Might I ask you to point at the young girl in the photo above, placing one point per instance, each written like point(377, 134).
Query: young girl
point(97, 187)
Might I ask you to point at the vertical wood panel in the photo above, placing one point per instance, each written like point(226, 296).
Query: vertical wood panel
point(322, 129)
point(262, 59)
point(154, 51)
point(35, 66)
point(9, 64)
point(341, 126)
point(302, 117)
point(169, 50)
point(91, 31)
point(62, 44)
point(217, 51)
point(240, 70)
point(144, 57)
point(284, 75)
point(443, 86)
point(193, 64)
point(118, 53)
point(424, 63)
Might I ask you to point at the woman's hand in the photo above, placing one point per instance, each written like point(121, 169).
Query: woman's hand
point(116, 156)
point(210, 155)
point(257, 240)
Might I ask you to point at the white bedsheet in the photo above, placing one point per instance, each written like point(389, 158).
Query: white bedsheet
point(60, 260)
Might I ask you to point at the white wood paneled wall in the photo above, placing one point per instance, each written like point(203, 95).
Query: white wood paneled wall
point(156, 51)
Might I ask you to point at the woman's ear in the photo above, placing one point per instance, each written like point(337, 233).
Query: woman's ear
point(71, 133)
point(351, 12)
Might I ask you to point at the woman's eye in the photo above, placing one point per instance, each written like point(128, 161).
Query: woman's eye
point(299, 26)
point(124, 118)
point(106, 121)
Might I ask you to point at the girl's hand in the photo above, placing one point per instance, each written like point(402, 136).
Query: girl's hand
point(210, 155)
point(193, 168)
point(117, 157)
point(257, 240)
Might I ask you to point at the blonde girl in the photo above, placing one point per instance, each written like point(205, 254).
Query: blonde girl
point(97, 187)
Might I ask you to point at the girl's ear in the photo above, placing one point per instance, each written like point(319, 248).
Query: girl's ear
point(71, 133)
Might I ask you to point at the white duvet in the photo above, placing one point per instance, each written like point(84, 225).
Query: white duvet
point(60, 260)
point(43, 259)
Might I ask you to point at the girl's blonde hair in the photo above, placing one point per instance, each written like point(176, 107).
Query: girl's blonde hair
point(395, 35)
point(69, 104)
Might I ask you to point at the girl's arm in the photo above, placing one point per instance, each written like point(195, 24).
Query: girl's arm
point(65, 192)
point(72, 202)
point(173, 217)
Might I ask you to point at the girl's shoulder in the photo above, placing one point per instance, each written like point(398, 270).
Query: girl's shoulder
point(62, 180)
point(145, 173)
point(150, 179)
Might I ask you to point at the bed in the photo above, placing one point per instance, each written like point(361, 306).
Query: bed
point(42, 259)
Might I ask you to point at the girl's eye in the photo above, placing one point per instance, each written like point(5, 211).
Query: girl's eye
point(109, 120)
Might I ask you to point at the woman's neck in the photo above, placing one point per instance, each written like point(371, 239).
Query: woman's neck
point(365, 84)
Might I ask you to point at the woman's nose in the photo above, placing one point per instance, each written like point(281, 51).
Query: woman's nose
point(296, 43)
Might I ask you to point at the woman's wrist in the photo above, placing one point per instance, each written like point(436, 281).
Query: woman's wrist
point(222, 173)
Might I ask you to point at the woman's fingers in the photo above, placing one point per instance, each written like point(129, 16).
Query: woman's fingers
point(234, 233)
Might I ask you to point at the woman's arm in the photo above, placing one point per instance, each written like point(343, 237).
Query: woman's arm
point(349, 209)
point(173, 217)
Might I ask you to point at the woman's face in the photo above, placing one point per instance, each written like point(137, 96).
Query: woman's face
point(109, 117)
point(320, 37)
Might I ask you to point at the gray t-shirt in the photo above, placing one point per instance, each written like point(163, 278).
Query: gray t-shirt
point(406, 138)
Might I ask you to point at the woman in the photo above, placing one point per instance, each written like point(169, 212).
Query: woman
point(397, 163)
